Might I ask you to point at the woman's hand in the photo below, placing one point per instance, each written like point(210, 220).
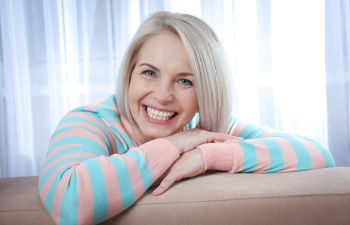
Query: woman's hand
point(190, 164)
point(189, 140)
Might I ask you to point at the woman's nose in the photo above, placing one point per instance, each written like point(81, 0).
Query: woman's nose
point(164, 93)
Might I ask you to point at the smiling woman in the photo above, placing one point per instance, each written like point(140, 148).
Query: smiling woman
point(104, 157)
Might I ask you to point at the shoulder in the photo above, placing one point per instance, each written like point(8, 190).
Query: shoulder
point(103, 112)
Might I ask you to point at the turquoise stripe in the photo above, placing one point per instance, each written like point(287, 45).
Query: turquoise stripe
point(109, 115)
point(112, 116)
point(127, 139)
point(69, 204)
point(82, 120)
point(110, 102)
point(98, 185)
point(142, 167)
point(65, 129)
point(251, 131)
point(51, 194)
point(46, 176)
point(303, 157)
point(103, 139)
point(247, 130)
point(232, 124)
point(249, 157)
point(121, 148)
point(194, 121)
point(277, 162)
point(79, 140)
point(125, 188)
point(327, 156)
point(77, 149)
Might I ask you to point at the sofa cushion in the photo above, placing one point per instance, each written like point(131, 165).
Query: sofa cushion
point(310, 197)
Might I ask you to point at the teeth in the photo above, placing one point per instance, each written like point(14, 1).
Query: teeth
point(159, 115)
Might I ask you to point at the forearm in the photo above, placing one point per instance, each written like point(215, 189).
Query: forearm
point(87, 187)
point(265, 155)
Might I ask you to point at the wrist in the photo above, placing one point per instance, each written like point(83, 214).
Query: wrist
point(217, 156)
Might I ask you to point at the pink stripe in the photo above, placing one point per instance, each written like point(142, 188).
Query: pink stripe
point(85, 196)
point(95, 129)
point(121, 131)
point(60, 149)
point(238, 156)
point(76, 132)
point(316, 156)
point(45, 189)
point(262, 155)
point(289, 156)
point(101, 126)
point(91, 108)
point(70, 155)
point(85, 125)
point(56, 204)
point(135, 176)
point(265, 135)
point(238, 128)
point(129, 129)
point(158, 160)
point(112, 189)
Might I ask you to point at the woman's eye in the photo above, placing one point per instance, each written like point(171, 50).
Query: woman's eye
point(185, 82)
point(149, 73)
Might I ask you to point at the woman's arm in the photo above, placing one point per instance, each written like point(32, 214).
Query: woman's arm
point(83, 183)
point(263, 150)
point(255, 149)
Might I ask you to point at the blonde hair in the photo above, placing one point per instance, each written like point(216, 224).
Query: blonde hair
point(208, 60)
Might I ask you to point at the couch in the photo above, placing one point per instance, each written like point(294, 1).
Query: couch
point(311, 197)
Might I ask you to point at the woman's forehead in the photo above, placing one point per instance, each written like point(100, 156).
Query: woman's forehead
point(164, 49)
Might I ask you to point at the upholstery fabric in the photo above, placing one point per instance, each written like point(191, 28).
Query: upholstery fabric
point(311, 197)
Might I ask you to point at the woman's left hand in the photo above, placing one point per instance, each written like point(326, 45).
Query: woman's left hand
point(190, 164)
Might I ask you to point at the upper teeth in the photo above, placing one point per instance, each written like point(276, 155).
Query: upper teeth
point(159, 115)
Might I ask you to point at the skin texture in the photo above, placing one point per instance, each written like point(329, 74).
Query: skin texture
point(162, 79)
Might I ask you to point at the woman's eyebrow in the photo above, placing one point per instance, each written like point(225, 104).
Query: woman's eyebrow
point(157, 70)
point(149, 65)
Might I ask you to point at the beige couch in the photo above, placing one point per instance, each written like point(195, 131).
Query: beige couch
point(306, 198)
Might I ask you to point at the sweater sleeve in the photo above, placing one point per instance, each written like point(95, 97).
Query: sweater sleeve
point(263, 150)
point(83, 182)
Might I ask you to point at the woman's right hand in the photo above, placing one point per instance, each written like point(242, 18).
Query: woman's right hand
point(189, 140)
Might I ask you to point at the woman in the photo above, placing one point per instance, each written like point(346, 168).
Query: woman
point(169, 120)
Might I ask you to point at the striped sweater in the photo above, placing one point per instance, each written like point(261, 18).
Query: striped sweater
point(95, 168)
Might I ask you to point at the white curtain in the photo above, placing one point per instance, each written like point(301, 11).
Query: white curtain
point(338, 78)
point(290, 60)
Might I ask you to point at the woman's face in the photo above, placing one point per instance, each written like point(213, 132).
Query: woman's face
point(162, 96)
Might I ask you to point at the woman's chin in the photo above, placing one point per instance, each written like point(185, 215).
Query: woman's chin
point(150, 135)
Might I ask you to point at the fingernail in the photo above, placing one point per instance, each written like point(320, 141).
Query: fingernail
point(155, 192)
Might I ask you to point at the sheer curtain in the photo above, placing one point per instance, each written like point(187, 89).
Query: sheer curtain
point(338, 78)
point(290, 60)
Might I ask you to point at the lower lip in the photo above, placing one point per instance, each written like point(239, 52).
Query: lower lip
point(154, 121)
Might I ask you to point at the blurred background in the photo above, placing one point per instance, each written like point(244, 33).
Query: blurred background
point(290, 61)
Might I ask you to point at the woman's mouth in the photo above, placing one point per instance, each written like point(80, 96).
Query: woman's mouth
point(158, 115)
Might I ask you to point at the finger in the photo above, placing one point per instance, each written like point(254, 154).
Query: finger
point(220, 137)
point(228, 137)
point(164, 185)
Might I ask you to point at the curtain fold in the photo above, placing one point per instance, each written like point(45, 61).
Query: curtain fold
point(17, 90)
point(338, 78)
point(290, 61)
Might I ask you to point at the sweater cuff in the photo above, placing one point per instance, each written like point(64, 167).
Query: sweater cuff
point(217, 156)
point(160, 155)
